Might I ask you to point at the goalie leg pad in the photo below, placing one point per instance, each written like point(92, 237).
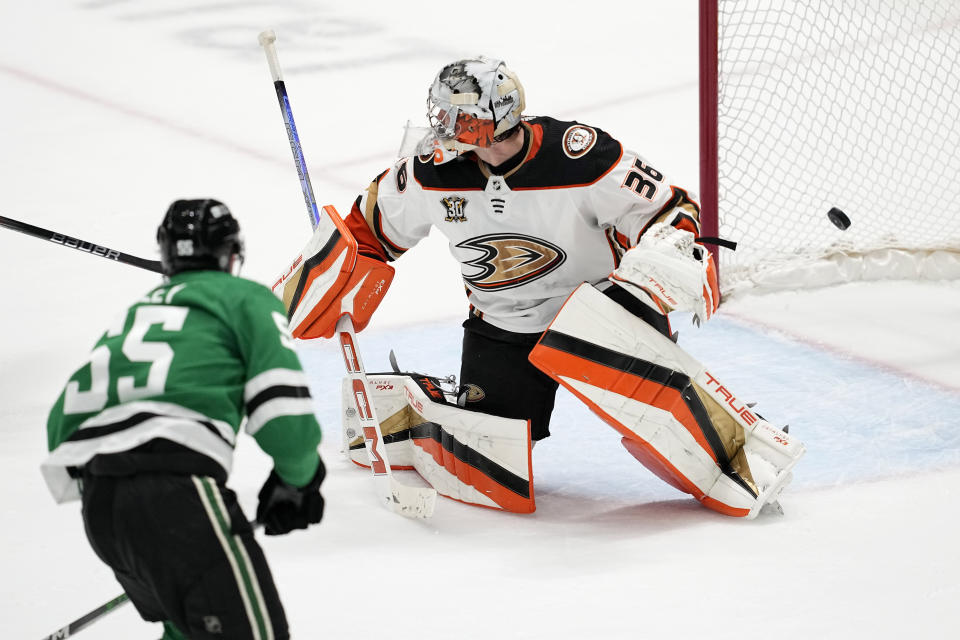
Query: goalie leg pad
point(676, 417)
point(472, 457)
point(396, 419)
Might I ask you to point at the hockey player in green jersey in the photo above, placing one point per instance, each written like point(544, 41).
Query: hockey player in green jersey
point(144, 434)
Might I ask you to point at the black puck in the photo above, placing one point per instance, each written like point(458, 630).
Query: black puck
point(839, 219)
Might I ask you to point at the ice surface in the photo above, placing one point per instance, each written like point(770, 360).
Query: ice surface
point(110, 110)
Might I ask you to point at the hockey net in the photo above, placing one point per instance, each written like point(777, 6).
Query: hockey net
point(806, 106)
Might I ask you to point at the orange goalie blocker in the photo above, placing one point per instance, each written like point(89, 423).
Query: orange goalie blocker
point(328, 279)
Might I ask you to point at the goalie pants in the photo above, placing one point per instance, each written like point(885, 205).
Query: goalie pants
point(507, 384)
point(183, 552)
point(504, 383)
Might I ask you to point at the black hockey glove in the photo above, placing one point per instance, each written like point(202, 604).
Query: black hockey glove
point(284, 507)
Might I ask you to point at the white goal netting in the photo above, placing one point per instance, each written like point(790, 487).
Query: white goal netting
point(853, 104)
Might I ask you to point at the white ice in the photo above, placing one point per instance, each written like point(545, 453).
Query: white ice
point(110, 109)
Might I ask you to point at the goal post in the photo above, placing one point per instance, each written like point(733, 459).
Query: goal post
point(709, 55)
point(849, 104)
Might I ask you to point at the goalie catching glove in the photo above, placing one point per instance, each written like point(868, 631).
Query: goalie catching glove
point(328, 279)
point(668, 265)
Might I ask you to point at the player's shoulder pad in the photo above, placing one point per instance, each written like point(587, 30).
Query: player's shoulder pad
point(571, 154)
point(460, 174)
point(398, 176)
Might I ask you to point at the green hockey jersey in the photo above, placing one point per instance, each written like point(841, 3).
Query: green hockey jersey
point(185, 365)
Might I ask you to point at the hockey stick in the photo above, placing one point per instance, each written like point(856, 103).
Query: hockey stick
point(404, 499)
point(80, 245)
point(267, 40)
point(84, 621)
point(410, 501)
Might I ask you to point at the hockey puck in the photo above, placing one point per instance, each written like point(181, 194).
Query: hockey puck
point(839, 219)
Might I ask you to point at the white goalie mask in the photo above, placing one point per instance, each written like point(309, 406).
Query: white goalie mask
point(474, 103)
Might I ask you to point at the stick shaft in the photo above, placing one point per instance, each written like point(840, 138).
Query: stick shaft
point(309, 199)
point(88, 619)
point(80, 245)
point(267, 40)
point(409, 501)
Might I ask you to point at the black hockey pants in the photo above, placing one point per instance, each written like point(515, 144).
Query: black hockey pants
point(500, 379)
point(183, 551)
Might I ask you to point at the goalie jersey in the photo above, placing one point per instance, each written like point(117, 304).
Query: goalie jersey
point(168, 385)
point(563, 215)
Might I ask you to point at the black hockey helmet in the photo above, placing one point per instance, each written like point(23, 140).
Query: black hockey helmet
point(199, 235)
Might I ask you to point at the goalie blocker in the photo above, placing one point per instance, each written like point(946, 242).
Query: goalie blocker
point(674, 415)
point(469, 456)
point(328, 279)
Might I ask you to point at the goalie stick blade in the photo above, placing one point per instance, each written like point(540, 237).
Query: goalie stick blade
point(772, 507)
point(413, 502)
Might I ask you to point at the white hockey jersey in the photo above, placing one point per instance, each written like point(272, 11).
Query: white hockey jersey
point(525, 240)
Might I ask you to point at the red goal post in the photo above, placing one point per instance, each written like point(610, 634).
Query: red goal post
point(849, 104)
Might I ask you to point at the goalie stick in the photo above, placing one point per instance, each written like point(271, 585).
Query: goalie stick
point(404, 499)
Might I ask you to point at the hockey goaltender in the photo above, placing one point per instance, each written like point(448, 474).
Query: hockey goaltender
point(573, 251)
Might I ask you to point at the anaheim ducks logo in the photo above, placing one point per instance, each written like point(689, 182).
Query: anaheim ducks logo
point(510, 260)
point(472, 393)
point(578, 140)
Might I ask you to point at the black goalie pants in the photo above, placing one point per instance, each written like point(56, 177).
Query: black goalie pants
point(499, 378)
point(183, 552)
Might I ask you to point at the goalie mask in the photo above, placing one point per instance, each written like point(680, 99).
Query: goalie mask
point(474, 103)
point(199, 235)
